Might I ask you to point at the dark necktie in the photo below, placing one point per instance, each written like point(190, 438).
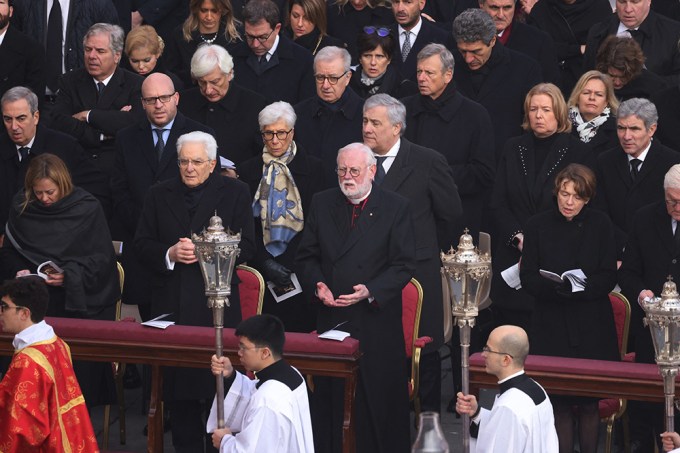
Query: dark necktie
point(263, 60)
point(53, 48)
point(100, 89)
point(23, 152)
point(160, 144)
point(406, 48)
point(379, 169)
point(676, 237)
point(634, 168)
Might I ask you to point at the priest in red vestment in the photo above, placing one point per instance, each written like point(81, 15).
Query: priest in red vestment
point(41, 406)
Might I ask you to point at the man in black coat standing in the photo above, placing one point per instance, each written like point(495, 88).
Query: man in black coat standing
point(99, 100)
point(142, 160)
point(423, 177)
point(332, 118)
point(523, 38)
point(173, 210)
point(268, 62)
point(441, 118)
point(652, 254)
point(491, 74)
point(413, 32)
point(657, 35)
point(356, 255)
point(630, 176)
point(220, 103)
point(26, 138)
point(24, 55)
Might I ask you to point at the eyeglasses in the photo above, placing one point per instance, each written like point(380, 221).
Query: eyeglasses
point(488, 350)
point(163, 98)
point(331, 79)
point(243, 348)
point(672, 203)
point(281, 135)
point(263, 39)
point(4, 306)
point(354, 172)
point(381, 31)
point(186, 162)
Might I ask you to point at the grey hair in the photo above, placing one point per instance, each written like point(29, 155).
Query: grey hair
point(474, 25)
point(207, 57)
point(116, 35)
point(396, 112)
point(433, 49)
point(207, 140)
point(642, 108)
point(277, 111)
point(18, 93)
point(331, 53)
point(368, 153)
point(672, 178)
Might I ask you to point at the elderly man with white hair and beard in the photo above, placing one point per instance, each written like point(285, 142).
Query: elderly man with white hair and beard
point(173, 209)
point(357, 253)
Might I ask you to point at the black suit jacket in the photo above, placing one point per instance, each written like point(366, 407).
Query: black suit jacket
point(429, 33)
point(658, 36)
point(78, 92)
point(234, 119)
point(288, 76)
point(84, 173)
point(423, 177)
point(538, 45)
point(25, 62)
point(619, 196)
point(511, 76)
point(462, 131)
point(323, 131)
point(668, 128)
point(163, 15)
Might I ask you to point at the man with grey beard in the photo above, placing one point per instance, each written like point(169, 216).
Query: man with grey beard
point(357, 253)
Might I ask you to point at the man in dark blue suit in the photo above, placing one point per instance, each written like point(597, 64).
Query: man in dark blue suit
point(413, 33)
point(145, 155)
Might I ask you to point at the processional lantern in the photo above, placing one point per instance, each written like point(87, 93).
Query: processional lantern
point(663, 318)
point(469, 275)
point(216, 251)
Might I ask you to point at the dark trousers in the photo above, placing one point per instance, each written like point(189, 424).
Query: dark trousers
point(188, 420)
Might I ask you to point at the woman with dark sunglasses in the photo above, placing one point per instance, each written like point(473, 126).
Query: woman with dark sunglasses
point(347, 19)
point(307, 25)
point(375, 73)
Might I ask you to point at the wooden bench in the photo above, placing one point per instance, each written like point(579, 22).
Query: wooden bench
point(187, 346)
point(582, 377)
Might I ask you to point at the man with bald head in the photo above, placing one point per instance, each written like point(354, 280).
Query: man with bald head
point(145, 155)
point(521, 419)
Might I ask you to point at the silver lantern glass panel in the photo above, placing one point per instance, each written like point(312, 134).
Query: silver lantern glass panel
point(662, 316)
point(469, 276)
point(216, 251)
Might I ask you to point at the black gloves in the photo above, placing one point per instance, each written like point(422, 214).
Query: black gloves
point(276, 273)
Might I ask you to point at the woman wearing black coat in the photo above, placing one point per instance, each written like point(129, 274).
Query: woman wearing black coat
point(523, 188)
point(287, 174)
point(568, 322)
point(307, 25)
point(347, 18)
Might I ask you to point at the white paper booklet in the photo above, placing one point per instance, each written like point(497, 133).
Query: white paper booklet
point(157, 323)
point(281, 294)
point(334, 333)
point(575, 276)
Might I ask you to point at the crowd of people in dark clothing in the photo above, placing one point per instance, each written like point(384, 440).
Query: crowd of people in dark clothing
point(553, 125)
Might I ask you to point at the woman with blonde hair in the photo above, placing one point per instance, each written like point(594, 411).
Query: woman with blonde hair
point(524, 187)
point(209, 21)
point(592, 111)
point(144, 50)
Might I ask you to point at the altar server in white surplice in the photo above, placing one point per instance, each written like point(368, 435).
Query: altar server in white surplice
point(270, 414)
point(521, 420)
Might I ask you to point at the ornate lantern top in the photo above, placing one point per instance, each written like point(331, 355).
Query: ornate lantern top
point(216, 233)
point(667, 304)
point(466, 253)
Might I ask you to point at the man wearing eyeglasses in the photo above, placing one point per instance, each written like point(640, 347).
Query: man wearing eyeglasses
point(41, 404)
point(95, 102)
point(331, 119)
point(173, 209)
point(521, 420)
point(268, 62)
point(145, 155)
point(220, 103)
point(356, 255)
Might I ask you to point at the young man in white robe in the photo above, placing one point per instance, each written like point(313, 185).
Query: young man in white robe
point(521, 420)
point(270, 414)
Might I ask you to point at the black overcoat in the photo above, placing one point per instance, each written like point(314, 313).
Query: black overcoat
point(538, 45)
point(27, 59)
point(429, 33)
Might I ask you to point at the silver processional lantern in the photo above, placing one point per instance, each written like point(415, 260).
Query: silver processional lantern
point(469, 275)
point(663, 318)
point(216, 251)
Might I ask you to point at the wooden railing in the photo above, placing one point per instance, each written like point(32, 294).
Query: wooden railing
point(186, 346)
